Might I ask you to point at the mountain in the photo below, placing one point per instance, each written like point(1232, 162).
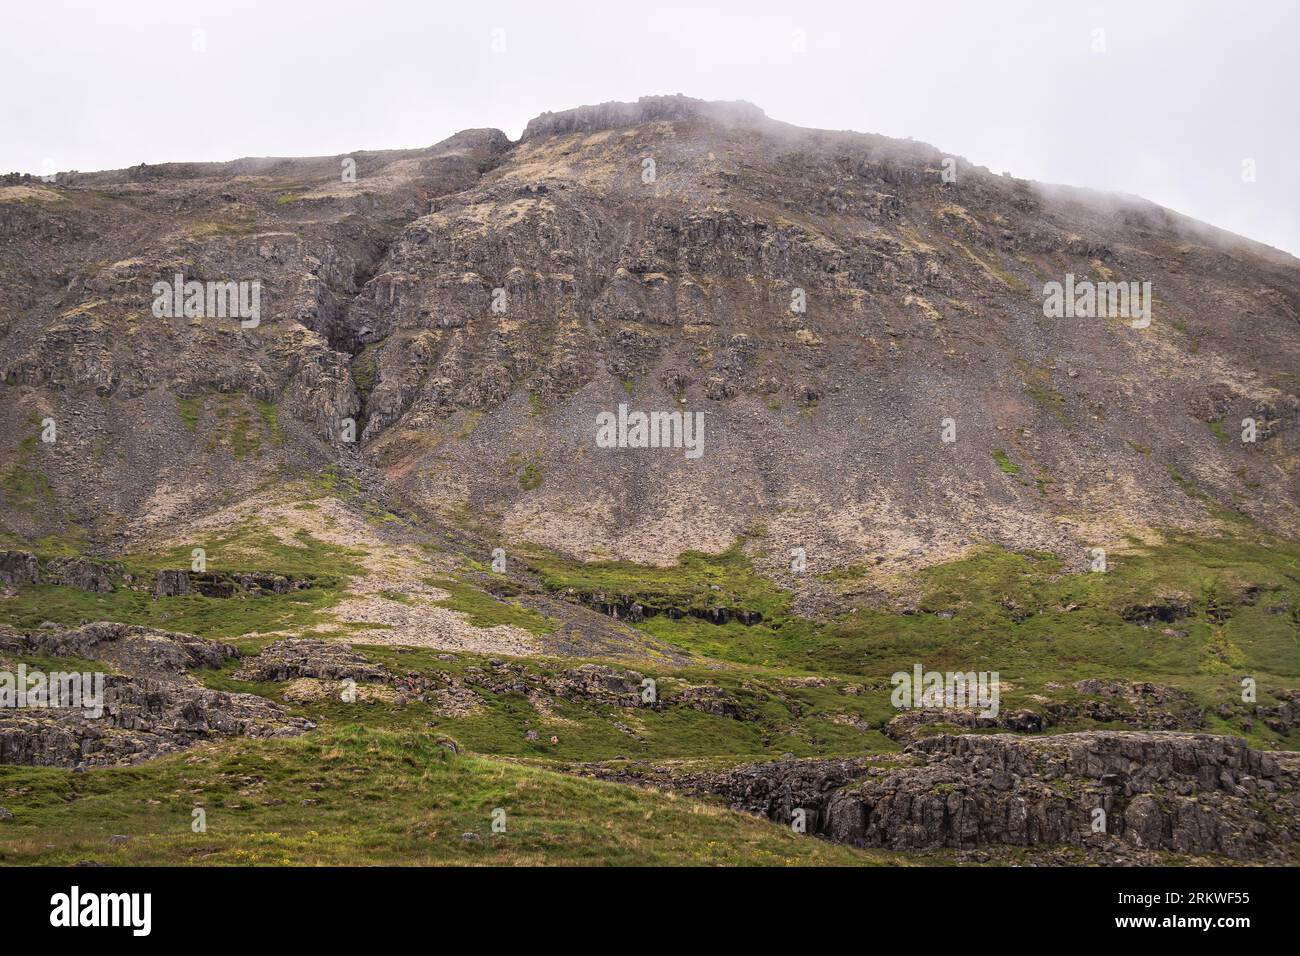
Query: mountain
point(401, 408)
point(923, 300)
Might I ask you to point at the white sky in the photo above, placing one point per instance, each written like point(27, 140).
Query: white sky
point(1182, 94)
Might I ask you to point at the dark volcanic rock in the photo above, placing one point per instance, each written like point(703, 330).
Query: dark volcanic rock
point(143, 718)
point(1140, 704)
point(19, 567)
point(127, 647)
point(1188, 793)
point(171, 584)
point(152, 705)
point(83, 573)
point(1185, 793)
point(87, 574)
point(305, 657)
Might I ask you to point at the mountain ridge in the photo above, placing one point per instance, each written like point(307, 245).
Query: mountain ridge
point(384, 325)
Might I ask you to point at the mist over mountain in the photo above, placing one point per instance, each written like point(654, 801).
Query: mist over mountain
point(917, 300)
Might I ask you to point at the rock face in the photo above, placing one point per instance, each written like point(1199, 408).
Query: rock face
point(19, 567)
point(1184, 793)
point(601, 684)
point(822, 298)
point(297, 658)
point(1140, 704)
point(87, 574)
point(129, 648)
point(143, 719)
point(648, 109)
point(82, 573)
point(1188, 793)
point(151, 703)
point(102, 577)
point(171, 584)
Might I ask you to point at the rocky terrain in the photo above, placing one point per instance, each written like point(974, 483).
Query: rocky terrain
point(152, 704)
point(1193, 794)
point(365, 552)
point(923, 301)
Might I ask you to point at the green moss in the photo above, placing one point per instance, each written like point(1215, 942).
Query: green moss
point(1005, 463)
point(365, 369)
point(189, 410)
point(23, 484)
point(531, 476)
point(270, 421)
point(484, 610)
point(243, 426)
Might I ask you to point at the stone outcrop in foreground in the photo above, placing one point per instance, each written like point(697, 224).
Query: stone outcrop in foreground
point(1177, 792)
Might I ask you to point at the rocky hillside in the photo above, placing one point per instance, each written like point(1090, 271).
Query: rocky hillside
point(331, 476)
point(826, 300)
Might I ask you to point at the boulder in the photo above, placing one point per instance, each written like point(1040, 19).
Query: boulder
point(18, 568)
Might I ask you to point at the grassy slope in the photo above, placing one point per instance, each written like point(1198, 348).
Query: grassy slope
point(388, 793)
point(250, 548)
point(375, 797)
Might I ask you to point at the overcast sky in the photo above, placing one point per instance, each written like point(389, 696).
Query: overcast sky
point(1179, 95)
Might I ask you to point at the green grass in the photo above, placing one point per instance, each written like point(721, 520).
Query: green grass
point(189, 410)
point(248, 549)
point(270, 417)
point(697, 583)
point(23, 484)
point(373, 796)
point(379, 788)
point(777, 719)
point(1019, 614)
point(1005, 463)
point(531, 476)
point(484, 610)
point(243, 425)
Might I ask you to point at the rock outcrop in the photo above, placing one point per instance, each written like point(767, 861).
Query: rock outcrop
point(1193, 794)
point(305, 657)
point(1140, 704)
point(151, 704)
point(22, 567)
point(19, 567)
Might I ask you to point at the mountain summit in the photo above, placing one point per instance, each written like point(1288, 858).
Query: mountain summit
point(860, 321)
